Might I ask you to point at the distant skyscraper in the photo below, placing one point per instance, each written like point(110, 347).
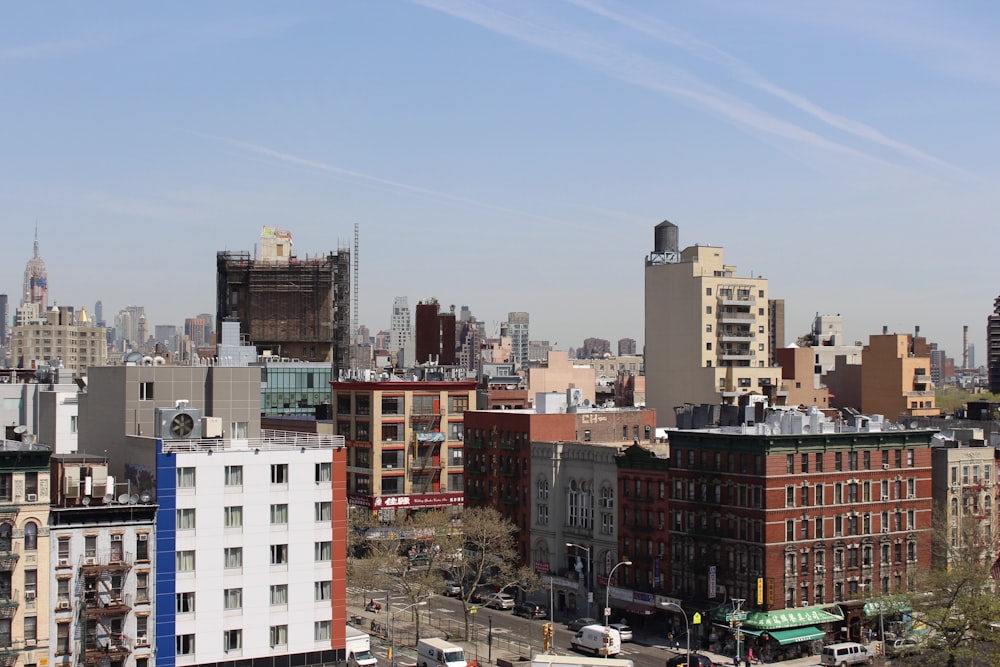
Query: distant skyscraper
point(972, 355)
point(400, 330)
point(198, 330)
point(36, 281)
point(517, 327)
point(626, 346)
point(99, 313)
point(993, 347)
point(4, 320)
point(593, 348)
point(435, 334)
point(127, 326)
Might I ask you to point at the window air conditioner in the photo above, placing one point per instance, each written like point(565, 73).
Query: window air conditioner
point(32, 497)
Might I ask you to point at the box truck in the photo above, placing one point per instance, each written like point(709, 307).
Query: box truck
point(359, 648)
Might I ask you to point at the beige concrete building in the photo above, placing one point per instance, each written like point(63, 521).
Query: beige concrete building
point(707, 329)
point(57, 335)
point(964, 486)
point(24, 554)
point(896, 377)
point(561, 373)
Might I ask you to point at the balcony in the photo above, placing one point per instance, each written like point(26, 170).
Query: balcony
point(736, 337)
point(746, 356)
point(9, 602)
point(736, 318)
point(105, 562)
point(425, 463)
point(107, 606)
point(8, 559)
point(509, 471)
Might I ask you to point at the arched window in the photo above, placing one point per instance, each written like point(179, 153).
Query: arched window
point(30, 536)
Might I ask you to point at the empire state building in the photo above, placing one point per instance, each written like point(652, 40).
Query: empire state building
point(36, 281)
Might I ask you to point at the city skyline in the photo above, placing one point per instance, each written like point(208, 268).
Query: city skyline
point(511, 157)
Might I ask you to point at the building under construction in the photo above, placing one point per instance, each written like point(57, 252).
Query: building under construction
point(286, 306)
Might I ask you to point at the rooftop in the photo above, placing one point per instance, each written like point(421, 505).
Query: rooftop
point(269, 440)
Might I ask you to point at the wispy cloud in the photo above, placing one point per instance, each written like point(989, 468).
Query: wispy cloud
point(44, 50)
point(673, 81)
point(372, 180)
point(663, 32)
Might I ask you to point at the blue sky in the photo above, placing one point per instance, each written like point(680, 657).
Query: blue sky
point(511, 155)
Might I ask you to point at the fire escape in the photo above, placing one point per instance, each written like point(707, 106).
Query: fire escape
point(8, 596)
point(104, 607)
point(425, 466)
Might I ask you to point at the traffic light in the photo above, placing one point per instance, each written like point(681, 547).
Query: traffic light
point(732, 622)
point(547, 635)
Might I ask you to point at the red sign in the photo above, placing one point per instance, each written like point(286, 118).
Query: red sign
point(542, 568)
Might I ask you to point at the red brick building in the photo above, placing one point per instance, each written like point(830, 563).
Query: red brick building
point(805, 518)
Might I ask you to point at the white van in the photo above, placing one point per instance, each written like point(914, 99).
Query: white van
point(598, 639)
point(433, 652)
point(846, 653)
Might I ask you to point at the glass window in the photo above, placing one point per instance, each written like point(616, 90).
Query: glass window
point(233, 557)
point(279, 635)
point(185, 519)
point(324, 472)
point(232, 640)
point(279, 594)
point(185, 561)
point(31, 627)
point(233, 516)
point(323, 590)
point(185, 602)
point(324, 511)
point(185, 478)
point(184, 644)
point(233, 598)
point(279, 513)
point(234, 475)
point(30, 536)
point(322, 630)
point(279, 473)
point(323, 551)
point(279, 554)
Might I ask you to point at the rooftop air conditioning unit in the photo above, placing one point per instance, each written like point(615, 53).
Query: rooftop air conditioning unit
point(178, 423)
point(211, 427)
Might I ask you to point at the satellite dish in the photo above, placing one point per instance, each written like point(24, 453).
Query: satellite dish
point(108, 497)
point(133, 499)
point(913, 425)
point(123, 499)
point(145, 497)
point(20, 429)
point(86, 500)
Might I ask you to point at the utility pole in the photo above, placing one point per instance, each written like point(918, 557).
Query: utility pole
point(736, 619)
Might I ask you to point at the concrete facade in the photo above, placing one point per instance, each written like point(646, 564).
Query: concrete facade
point(57, 335)
point(561, 373)
point(896, 377)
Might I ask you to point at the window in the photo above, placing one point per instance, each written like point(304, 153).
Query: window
point(232, 598)
point(185, 603)
point(185, 561)
point(239, 430)
point(233, 516)
point(234, 475)
point(31, 627)
point(232, 640)
point(322, 630)
point(279, 513)
point(789, 496)
point(818, 496)
point(279, 635)
point(323, 551)
point(62, 639)
point(324, 472)
point(142, 587)
point(790, 530)
point(838, 461)
point(279, 594)
point(790, 463)
point(145, 391)
point(279, 473)
point(323, 590)
point(324, 511)
point(819, 462)
point(185, 478)
point(233, 558)
point(542, 489)
point(30, 536)
point(185, 519)
point(184, 644)
point(142, 546)
point(279, 554)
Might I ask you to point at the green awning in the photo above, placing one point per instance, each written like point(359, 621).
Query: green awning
point(796, 635)
point(887, 606)
point(793, 618)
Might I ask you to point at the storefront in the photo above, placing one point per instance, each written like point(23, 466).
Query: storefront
point(776, 635)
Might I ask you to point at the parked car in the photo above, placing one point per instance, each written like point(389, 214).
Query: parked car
point(452, 590)
point(697, 660)
point(579, 623)
point(482, 594)
point(531, 610)
point(623, 630)
point(899, 647)
point(499, 601)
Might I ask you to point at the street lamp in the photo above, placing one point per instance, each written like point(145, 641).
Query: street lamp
point(590, 594)
point(607, 592)
point(392, 628)
point(687, 627)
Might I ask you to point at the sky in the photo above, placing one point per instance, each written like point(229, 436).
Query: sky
point(511, 155)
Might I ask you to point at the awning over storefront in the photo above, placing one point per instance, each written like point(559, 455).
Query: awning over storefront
point(796, 635)
point(792, 618)
point(643, 610)
point(887, 607)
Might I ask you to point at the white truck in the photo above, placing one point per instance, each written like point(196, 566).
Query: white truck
point(434, 652)
point(359, 649)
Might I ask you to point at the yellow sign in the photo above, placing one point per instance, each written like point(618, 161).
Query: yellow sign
point(472, 611)
point(696, 619)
